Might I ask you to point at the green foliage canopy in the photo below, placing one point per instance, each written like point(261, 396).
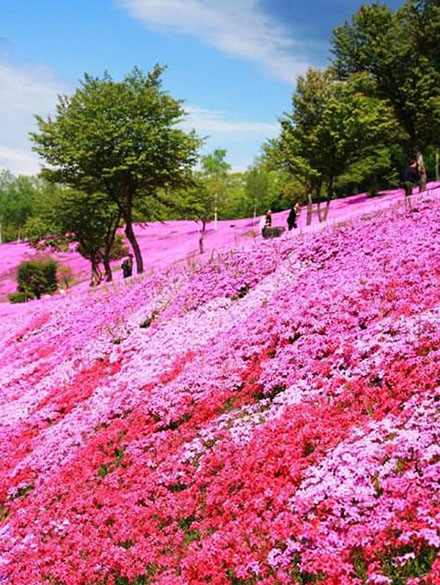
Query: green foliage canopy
point(118, 138)
point(18, 196)
point(91, 221)
point(392, 49)
point(214, 173)
point(332, 126)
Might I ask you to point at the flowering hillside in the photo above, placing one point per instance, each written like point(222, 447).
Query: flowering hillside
point(165, 243)
point(270, 416)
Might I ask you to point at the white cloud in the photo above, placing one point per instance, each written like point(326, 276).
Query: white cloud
point(214, 122)
point(242, 139)
point(18, 161)
point(24, 91)
point(236, 27)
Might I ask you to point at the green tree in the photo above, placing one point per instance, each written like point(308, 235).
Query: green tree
point(118, 138)
point(258, 189)
point(214, 164)
point(17, 202)
point(266, 189)
point(214, 170)
point(92, 223)
point(198, 203)
point(332, 126)
point(234, 203)
point(375, 171)
point(423, 21)
point(386, 47)
point(41, 224)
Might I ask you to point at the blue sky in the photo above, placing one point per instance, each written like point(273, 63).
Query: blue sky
point(233, 62)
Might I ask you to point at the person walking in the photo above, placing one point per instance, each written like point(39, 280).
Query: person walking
point(127, 266)
point(410, 179)
point(293, 216)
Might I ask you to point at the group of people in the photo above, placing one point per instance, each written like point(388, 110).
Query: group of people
point(268, 231)
point(410, 179)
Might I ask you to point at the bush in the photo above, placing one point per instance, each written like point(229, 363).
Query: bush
point(37, 277)
point(54, 243)
point(19, 297)
point(36, 228)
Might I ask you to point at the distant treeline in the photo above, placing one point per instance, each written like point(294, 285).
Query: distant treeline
point(28, 204)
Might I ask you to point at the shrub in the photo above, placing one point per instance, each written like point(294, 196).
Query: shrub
point(38, 229)
point(37, 277)
point(19, 297)
point(42, 235)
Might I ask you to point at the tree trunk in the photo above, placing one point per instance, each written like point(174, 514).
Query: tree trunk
point(107, 268)
point(320, 218)
point(309, 208)
point(129, 232)
point(201, 236)
point(135, 247)
point(110, 240)
point(329, 198)
point(96, 273)
point(327, 209)
point(422, 169)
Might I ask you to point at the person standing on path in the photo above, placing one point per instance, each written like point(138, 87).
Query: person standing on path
point(266, 222)
point(268, 218)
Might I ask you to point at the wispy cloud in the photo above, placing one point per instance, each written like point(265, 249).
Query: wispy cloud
point(206, 121)
point(242, 139)
point(24, 91)
point(236, 27)
point(18, 161)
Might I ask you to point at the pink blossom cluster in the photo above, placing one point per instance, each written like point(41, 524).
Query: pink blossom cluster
point(266, 416)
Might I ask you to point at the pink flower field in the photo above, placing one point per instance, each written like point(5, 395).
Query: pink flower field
point(268, 414)
point(166, 243)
